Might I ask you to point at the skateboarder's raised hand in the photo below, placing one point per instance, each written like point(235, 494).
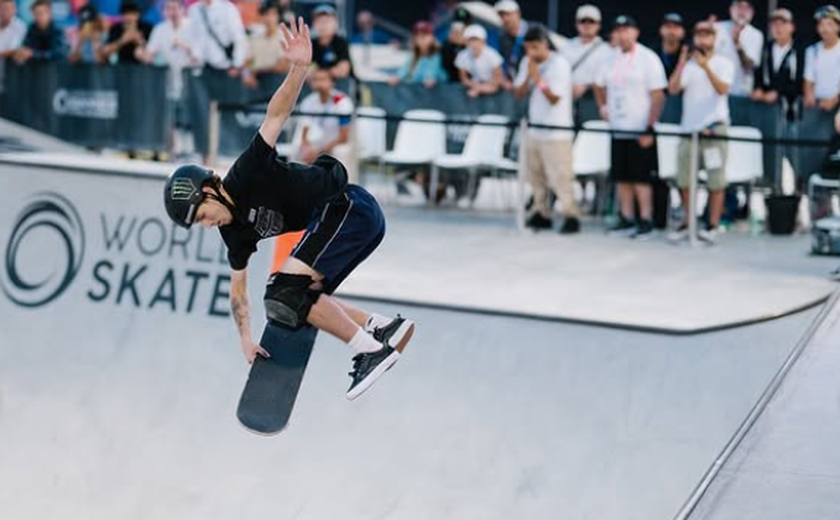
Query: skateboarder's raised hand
point(296, 43)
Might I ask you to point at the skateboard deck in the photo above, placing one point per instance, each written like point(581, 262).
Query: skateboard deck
point(272, 387)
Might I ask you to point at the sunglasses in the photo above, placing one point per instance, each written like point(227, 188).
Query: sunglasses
point(587, 21)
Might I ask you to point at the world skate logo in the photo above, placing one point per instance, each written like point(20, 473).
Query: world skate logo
point(44, 252)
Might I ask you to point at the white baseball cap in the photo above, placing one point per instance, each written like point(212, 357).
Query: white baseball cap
point(588, 12)
point(507, 6)
point(475, 31)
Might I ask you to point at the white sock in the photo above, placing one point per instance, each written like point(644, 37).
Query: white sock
point(363, 343)
point(376, 320)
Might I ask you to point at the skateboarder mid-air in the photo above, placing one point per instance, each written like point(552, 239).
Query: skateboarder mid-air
point(263, 196)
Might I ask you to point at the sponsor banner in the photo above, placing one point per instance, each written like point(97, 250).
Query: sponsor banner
point(121, 107)
point(101, 245)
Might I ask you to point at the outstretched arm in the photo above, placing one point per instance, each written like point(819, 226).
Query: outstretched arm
point(297, 47)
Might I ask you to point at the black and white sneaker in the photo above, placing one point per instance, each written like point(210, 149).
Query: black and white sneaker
point(369, 367)
point(622, 227)
point(644, 232)
point(397, 333)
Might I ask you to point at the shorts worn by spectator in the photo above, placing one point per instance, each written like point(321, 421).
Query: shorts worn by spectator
point(329, 132)
point(822, 62)
point(90, 37)
point(480, 66)
point(44, 40)
point(329, 50)
point(424, 65)
point(704, 81)
point(453, 45)
point(265, 52)
point(586, 52)
point(12, 29)
point(547, 77)
point(512, 39)
point(169, 45)
point(631, 96)
point(672, 35)
point(217, 35)
point(127, 38)
point(780, 75)
point(741, 43)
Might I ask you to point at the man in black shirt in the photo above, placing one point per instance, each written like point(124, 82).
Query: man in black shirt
point(262, 197)
point(128, 37)
point(44, 40)
point(779, 76)
point(329, 50)
point(512, 39)
point(672, 33)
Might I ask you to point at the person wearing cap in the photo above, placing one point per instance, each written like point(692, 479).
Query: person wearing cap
point(780, 75)
point(329, 131)
point(329, 50)
point(480, 66)
point(631, 96)
point(454, 44)
point(265, 52)
point(586, 52)
point(424, 65)
point(672, 34)
point(217, 35)
point(822, 62)
point(12, 29)
point(741, 42)
point(546, 77)
point(512, 39)
point(90, 37)
point(704, 79)
point(127, 37)
point(44, 40)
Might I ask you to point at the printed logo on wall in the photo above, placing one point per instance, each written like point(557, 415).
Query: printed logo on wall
point(46, 214)
point(93, 104)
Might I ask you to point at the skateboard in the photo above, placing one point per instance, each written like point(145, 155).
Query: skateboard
point(272, 387)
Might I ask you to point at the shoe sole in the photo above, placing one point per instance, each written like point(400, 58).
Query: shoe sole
point(621, 233)
point(374, 376)
point(642, 238)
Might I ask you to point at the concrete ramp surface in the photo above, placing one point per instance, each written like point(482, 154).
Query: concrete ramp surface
point(120, 372)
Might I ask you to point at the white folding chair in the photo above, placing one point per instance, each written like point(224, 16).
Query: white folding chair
point(484, 148)
point(744, 160)
point(591, 158)
point(668, 147)
point(291, 149)
point(421, 138)
point(371, 132)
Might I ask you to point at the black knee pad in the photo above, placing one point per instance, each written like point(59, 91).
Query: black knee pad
point(288, 300)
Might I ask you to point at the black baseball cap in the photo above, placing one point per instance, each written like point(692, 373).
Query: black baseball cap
point(129, 6)
point(674, 18)
point(625, 20)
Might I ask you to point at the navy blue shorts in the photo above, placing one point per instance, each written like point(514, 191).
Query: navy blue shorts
point(343, 235)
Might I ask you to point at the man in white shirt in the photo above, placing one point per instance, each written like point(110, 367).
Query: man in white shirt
point(217, 35)
point(480, 66)
point(586, 52)
point(326, 120)
point(12, 29)
point(704, 81)
point(741, 43)
point(631, 96)
point(822, 62)
point(547, 76)
point(169, 45)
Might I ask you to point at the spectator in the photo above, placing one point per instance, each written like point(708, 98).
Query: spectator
point(424, 66)
point(631, 95)
point(169, 44)
point(547, 76)
point(822, 62)
point(587, 51)
point(90, 37)
point(779, 76)
point(329, 132)
point(480, 66)
point(704, 79)
point(367, 32)
point(265, 51)
point(44, 40)
point(672, 33)
point(453, 45)
point(217, 35)
point(12, 29)
point(741, 43)
point(511, 42)
point(127, 38)
point(329, 50)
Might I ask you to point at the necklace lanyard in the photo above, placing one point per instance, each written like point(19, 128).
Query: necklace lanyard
point(617, 72)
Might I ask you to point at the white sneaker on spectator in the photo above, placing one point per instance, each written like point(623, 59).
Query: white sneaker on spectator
point(679, 235)
point(708, 235)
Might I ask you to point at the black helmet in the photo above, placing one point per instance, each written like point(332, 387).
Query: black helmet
point(182, 194)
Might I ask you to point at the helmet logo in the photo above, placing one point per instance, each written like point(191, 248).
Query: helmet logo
point(182, 189)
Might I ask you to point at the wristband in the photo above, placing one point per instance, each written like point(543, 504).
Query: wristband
point(542, 86)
